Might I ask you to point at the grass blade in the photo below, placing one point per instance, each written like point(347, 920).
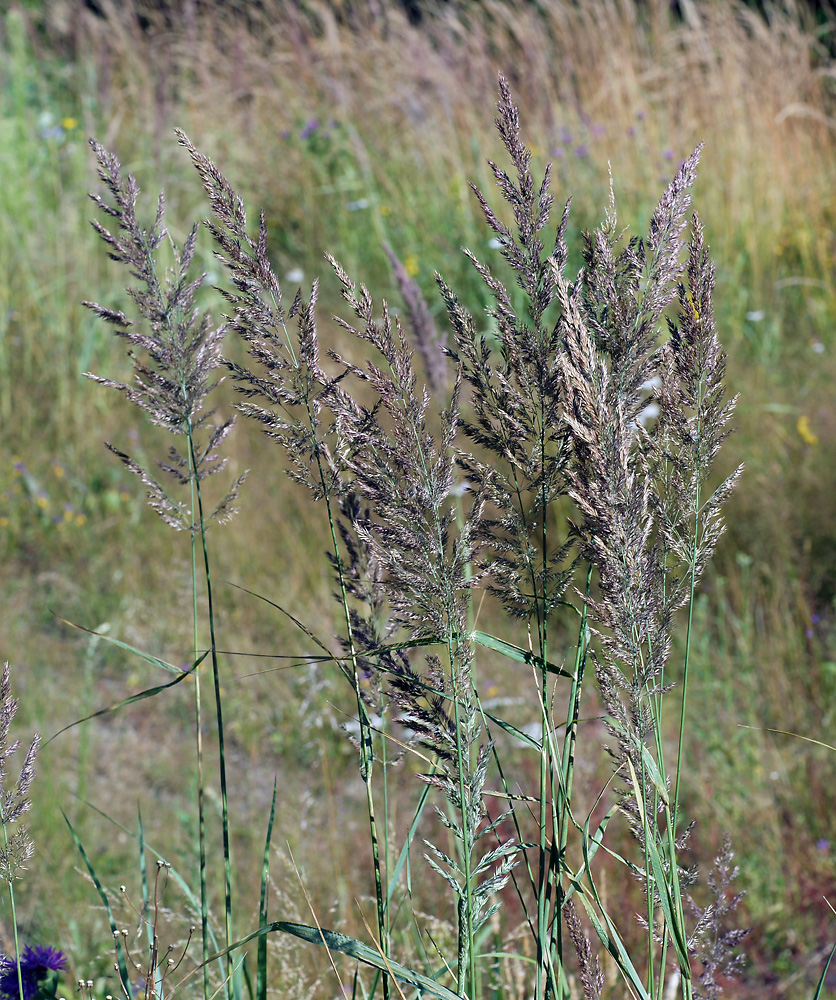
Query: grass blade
point(120, 954)
point(350, 946)
point(140, 696)
point(261, 964)
point(820, 987)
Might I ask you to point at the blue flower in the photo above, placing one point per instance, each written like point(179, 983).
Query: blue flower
point(35, 966)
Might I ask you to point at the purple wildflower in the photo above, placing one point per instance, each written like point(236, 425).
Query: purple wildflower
point(35, 965)
point(309, 129)
point(581, 152)
point(667, 154)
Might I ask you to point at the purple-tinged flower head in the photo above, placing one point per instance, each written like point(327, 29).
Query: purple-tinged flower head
point(309, 129)
point(598, 130)
point(285, 133)
point(814, 618)
point(667, 154)
point(559, 152)
point(566, 136)
point(35, 966)
point(581, 152)
point(641, 115)
point(631, 131)
point(823, 845)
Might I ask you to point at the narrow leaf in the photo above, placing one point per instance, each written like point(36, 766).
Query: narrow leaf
point(517, 653)
point(147, 693)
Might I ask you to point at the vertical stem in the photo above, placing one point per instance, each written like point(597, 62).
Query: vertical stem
point(466, 903)
point(218, 707)
point(201, 816)
point(366, 744)
point(14, 916)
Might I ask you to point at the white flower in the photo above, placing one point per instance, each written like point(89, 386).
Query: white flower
point(295, 276)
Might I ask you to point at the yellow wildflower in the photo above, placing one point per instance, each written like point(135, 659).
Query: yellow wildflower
point(807, 435)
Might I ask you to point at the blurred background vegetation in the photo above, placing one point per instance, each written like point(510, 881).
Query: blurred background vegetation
point(355, 123)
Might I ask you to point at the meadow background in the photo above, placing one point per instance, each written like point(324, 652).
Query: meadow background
point(355, 124)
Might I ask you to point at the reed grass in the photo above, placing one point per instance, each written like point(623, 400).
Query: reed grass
point(419, 524)
point(752, 616)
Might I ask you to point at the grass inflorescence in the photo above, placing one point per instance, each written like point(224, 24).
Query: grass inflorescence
point(565, 505)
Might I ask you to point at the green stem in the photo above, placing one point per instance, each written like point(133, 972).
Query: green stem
point(201, 815)
point(14, 917)
point(218, 706)
point(463, 764)
point(366, 738)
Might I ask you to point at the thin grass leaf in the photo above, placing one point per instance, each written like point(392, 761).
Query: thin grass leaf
point(820, 986)
point(611, 940)
point(410, 836)
point(191, 898)
point(154, 660)
point(661, 881)
point(261, 965)
point(517, 653)
point(783, 732)
point(141, 696)
point(363, 953)
point(120, 954)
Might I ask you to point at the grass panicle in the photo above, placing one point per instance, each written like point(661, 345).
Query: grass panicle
point(171, 387)
point(16, 973)
point(182, 347)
